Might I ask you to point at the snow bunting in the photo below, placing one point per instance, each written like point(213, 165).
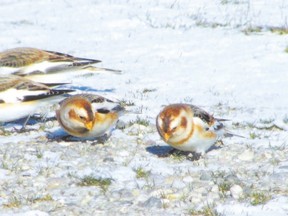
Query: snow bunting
point(189, 128)
point(21, 97)
point(88, 115)
point(38, 65)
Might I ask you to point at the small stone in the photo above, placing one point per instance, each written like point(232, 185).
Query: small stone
point(178, 184)
point(108, 159)
point(236, 191)
point(232, 179)
point(25, 167)
point(54, 183)
point(284, 167)
point(120, 124)
point(122, 193)
point(161, 192)
point(205, 176)
point(152, 202)
point(124, 153)
point(35, 212)
point(215, 189)
point(200, 190)
point(4, 173)
point(195, 198)
point(137, 129)
point(125, 207)
point(212, 197)
point(86, 199)
point(267, 155)
point(247, 155)
point(187, 179)
point(150, 142)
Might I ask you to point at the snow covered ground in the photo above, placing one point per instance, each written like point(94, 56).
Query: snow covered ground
point(228, 56)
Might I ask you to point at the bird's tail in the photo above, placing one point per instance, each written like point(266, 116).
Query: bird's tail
point(119, 109)
point(98, 69)
point(226, 133)
point(222, 119)
point(229, 134)
point(54, 84)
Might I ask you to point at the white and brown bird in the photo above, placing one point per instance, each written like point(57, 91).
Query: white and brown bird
point(21, 97)
point(189, 128)
point(88, 115)
point(45, 66)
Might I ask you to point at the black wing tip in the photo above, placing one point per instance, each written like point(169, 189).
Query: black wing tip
point(51, 93)
point(222, 119)
point(62, 91)
point(87, 60)
point(54, 84)
point(228, 134)
point(119, 108)
point(112, 70)
point(103, 111)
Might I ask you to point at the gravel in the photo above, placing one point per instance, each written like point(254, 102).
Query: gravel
point(46, 176)
point(211, 54)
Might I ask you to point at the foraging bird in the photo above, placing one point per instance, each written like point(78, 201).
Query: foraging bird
point(21, 97)
point(45, 66)
point(189, 128)
point(88, 115)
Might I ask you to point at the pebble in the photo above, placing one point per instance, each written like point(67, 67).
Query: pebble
point(236, 191)
point(179, 184)
point(205, 176)
point(54, 183)
point(247, 155)
point(170, 187)
point(152, 202)
point(136, 129)
point(4, 173)
point(187, 179)
point(86, 199)
point(195, 198)
point(161, 193)
point(215, 189)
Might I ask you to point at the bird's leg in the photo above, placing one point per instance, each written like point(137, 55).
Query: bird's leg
point(170, 152)
point(25, 123)
point(103, 139)
point(67, 137)
point(22, 129)
point(193, 156)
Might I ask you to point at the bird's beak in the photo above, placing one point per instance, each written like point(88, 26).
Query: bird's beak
point(166, 136)
point(89, 125)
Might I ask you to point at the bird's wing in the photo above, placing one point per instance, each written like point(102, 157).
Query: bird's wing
point(102, 104)
point(202, 114)
point(17, 89)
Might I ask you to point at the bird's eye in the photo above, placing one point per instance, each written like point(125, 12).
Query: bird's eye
point(207, 128)
point(173, 129)
point(82, 117)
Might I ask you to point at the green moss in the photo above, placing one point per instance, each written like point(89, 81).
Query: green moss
point(224, 187)
point(207, 210)
point(258, 198)
point(254, 135)
point(279, 30)
point(103, 183)
point(140, 121)
point(14, 202)
point(141, 173)
point(45, 198)
point(148, 90)
point(251, 30)
point(125, 103)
